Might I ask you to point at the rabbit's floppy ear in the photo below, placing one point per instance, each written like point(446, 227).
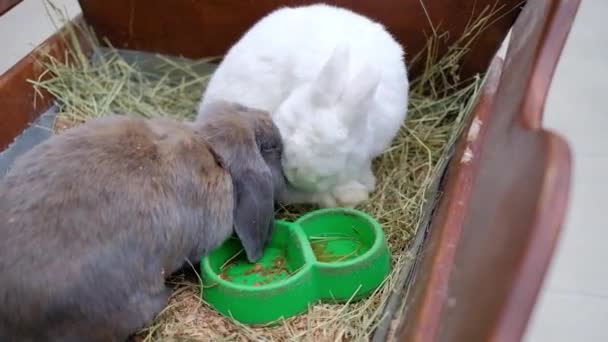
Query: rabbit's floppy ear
point(254, 208)
point(360, 95)
point(332, 78)
point(233, 138)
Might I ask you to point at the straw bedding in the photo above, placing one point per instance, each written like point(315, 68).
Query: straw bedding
point(439, 106)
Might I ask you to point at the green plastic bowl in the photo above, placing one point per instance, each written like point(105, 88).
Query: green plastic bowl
point(332, 255)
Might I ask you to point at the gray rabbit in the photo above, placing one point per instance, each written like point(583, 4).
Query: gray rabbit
point(95, 219)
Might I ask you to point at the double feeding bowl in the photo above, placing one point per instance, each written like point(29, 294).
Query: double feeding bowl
point(332, 255)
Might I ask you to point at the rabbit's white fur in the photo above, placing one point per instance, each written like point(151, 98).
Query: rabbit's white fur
point(336, 85)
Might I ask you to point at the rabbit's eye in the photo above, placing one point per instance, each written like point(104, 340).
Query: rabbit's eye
point(269, 147)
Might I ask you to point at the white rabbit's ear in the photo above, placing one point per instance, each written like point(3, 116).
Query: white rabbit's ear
point(333, 78)
point(360, 95)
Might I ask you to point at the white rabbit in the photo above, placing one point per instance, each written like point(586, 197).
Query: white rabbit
point(336, 85)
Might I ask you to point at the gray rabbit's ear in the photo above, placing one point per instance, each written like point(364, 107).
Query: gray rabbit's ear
point(232, 133)
point(254, 208)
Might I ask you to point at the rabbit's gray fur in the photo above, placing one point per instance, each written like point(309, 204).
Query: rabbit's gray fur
point(93, 220)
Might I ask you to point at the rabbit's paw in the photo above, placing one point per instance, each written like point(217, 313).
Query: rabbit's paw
point(351, 194)
point(326, 200)
point(368, 179)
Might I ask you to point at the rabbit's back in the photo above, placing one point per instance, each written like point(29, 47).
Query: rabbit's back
point(117, 176)
point(290, 46)
point(96, 217)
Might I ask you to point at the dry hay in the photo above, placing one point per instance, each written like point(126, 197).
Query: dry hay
point(439, 105)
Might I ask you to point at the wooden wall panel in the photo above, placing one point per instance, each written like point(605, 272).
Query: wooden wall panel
point(18, 104)
point(6, 5)
point(505, 198)
point(209, 27)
